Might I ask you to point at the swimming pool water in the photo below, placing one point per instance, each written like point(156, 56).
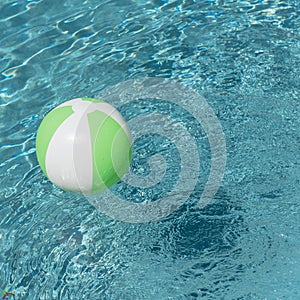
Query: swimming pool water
point(243, 57)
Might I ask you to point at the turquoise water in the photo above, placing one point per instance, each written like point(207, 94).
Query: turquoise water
point(243, 57)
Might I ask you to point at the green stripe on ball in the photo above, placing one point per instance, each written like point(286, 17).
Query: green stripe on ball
point(111, 150)
point(49, 125)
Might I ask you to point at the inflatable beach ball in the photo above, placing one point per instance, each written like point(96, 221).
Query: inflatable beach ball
point(84, 145)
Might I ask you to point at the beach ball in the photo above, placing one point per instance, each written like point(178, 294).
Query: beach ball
point(84, 145)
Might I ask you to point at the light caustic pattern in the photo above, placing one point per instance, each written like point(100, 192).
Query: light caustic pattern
point(170, 128)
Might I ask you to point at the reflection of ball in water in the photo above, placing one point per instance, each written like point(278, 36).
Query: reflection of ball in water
point(84, 145)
